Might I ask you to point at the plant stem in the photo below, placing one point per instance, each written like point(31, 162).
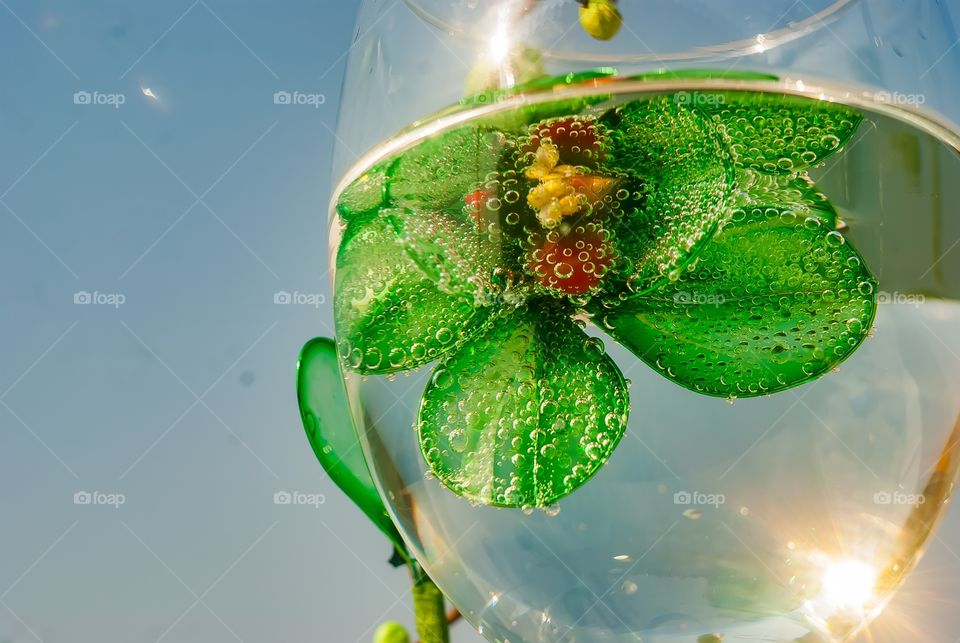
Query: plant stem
point(453, 615)
point(429, 608)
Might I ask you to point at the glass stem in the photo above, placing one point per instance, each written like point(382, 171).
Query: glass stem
point(429, 608)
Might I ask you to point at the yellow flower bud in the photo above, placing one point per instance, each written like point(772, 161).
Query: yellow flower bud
point(557, 188)
point(566, 170)
point(601, 19)
point(550, 215)
point(538, 197)
point(569, 205)
point(548, 155)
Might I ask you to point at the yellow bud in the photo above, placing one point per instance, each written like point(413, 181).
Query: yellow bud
point(601, 19)
point(569, 205)
point(538, 172)
point(550, 215)
point(557, 188)
point(548, 155)
point(538, 197)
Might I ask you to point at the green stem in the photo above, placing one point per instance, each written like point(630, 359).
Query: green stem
point(429, 608)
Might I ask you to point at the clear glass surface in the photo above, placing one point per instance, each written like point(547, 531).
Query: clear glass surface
point(793, 516)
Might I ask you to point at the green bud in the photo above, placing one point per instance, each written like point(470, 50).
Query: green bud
point(391, 632)
point(601, 19)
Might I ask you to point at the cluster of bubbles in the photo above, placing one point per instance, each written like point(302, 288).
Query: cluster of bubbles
point(782, 134)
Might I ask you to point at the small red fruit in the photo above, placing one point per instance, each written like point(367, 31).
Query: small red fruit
point(475, 204)
point(571, 261)
point(475, 201)
point(577, 139)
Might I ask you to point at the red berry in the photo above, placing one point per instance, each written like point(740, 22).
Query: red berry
point(476, 205)
point(577, 139)
point(475, 202)
point(572, 262)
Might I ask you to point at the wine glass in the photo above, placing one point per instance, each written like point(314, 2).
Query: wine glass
point(647, 314)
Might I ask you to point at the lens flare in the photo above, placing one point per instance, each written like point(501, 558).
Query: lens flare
point(849, 584)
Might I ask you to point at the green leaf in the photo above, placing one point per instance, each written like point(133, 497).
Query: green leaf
point(325, 412)
point(389, 314)
point(688, 177)
point(439, 172)
point(453, 252)
point(775, 133)
point(794, 198)
point(768, 306)
point(525, 413)
point(363, 196)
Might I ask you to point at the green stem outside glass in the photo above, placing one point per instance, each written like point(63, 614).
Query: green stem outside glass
point(429, 608)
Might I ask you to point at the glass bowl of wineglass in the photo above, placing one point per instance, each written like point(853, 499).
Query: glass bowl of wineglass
point(648, 314)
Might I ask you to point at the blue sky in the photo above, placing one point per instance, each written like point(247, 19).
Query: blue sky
point(183, 213)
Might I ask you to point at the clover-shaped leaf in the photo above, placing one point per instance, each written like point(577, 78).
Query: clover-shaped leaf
point(389, 315)
point(778, 134)
point(768, 306)
point(525, 413)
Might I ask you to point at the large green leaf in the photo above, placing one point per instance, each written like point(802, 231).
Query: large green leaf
point(776, 133)
point(325, 412)
point(390, 316)
point(439, 172)
point(768, 306)
point(525, 413)
point(687, 175)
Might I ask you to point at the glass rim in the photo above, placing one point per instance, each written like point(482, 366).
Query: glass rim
point(759, 43)
point(873, 99)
